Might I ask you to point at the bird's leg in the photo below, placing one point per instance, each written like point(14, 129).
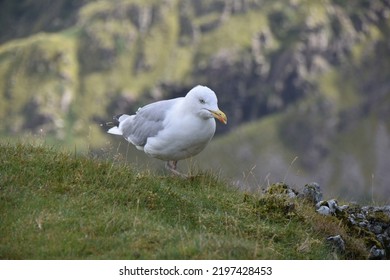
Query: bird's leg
point(171, 166)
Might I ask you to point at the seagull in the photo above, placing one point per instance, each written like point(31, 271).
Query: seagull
point(173, 129)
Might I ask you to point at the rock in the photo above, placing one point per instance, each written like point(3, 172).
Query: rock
point(360, 216)
point(343, 207)
point(281, 189)
point(370, 219)
point(363, 224)
point(337, 243)
point(370, 222)
point(291, 194)
point(332, 204)
point(377, 253)
point(382, 212)
point(321, 203)
point(312, 192)
point(352, 221)
point(377, 229)
point(384, 239)
point(324, 210)
point(327, 207)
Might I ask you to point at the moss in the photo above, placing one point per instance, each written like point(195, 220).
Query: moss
point(279, 189)
point(368, 238)
point(276, 200)
point(378, 216)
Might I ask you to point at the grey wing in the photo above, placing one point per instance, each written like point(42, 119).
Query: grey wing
point(147, 122)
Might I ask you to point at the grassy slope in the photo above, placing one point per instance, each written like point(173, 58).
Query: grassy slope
point(57, 205)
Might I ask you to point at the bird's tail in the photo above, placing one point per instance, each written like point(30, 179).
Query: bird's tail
point(115, 127)
point(115, 130)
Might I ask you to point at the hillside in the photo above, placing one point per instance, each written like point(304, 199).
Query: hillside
point(314, 74)
point(60, 205)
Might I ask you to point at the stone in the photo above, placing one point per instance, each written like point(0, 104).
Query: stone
point(324, 210)
point(363, 224)
point(332, 204)
point(312, 192)
point(360, 216)
point(337, 243)
point(377, 253)
point(384, 239)
point(321, 203)
point(327, 207)
point(352, 221)
point(343, 207)
point(377, 229)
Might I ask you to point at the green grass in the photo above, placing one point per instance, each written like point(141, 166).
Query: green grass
point(60, 205)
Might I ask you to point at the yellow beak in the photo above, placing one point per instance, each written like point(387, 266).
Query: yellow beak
point(219, 115)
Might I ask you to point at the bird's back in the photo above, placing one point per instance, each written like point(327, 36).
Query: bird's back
point(145, 123)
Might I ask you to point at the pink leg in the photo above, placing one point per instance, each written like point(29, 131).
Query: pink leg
point(171, 165)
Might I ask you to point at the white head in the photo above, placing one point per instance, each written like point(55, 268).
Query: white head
point(204, 101)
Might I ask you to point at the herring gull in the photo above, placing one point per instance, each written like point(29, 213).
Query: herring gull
point(174, 129)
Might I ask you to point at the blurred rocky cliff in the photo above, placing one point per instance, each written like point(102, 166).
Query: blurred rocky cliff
point(297, 78)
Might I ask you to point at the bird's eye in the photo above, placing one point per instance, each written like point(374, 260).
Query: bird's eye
point(202, 101)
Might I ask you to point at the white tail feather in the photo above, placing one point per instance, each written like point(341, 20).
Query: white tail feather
point(115, 130)
point(123, 117)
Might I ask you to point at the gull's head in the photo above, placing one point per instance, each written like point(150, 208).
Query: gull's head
point(205, 103)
